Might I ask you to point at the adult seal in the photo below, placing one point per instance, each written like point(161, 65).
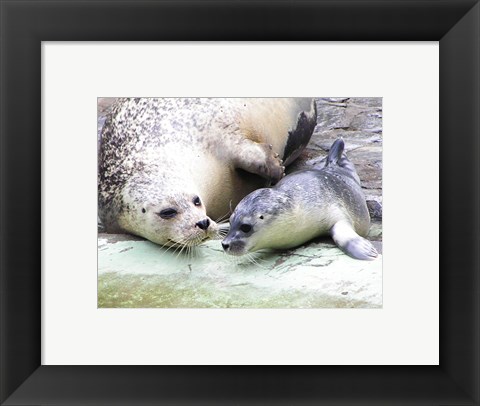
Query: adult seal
point(169, 167)
point(304, 205)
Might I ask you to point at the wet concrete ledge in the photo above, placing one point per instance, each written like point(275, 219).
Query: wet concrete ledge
point(137, 273)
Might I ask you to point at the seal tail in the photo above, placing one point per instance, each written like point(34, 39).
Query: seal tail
point(336, 152)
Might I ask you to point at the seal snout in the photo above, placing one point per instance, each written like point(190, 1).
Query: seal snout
point(226, 243)
point(233, 246)
point(203, 224)
point(225, 246)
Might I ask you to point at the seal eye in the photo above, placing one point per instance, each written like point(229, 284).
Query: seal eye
point(196, 201)
point(167, 213)
point(261, 217)
point(246, 228)
point(144, 211)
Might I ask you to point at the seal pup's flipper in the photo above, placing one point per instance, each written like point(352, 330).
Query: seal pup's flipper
point(351, 243)
point(336, 152)
point(337, 158)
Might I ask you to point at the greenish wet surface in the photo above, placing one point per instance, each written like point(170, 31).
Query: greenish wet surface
point(147, 291)
point(135, 273)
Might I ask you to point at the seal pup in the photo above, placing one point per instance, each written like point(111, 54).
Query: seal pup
point(169, 166)
point(304, 205)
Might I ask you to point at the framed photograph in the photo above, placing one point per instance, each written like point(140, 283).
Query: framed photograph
point(415, 340)
point(287, 297)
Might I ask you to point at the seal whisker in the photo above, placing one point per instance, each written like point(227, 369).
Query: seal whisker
point(194, 251)
point(193, 246)
point(224, 217)
point(220, 234)
point(170, 247)
point(254, 260)
point(180, 247)
point(258, 257)
point(241, 261)
point(179, 253)
point(188, 243)
point(176, 250)
point(190, 252)
point(236, 261)
point(232, 259)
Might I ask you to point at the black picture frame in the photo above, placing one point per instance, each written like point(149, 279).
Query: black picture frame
point(24, 24)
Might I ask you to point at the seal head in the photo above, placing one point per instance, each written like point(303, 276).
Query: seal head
point(261, 217)
point(174, 218)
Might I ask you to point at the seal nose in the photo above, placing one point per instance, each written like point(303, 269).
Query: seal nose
point(203, 224)
point(225, 246)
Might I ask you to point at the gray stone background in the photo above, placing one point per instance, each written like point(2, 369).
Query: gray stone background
point(358, 120)
point(137, 273)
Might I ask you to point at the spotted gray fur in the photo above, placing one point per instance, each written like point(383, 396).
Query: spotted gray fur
point(150, 146)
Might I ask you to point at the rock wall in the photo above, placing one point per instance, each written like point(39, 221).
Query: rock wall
point(359, 122)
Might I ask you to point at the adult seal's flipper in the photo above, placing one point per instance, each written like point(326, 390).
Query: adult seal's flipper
point(257, 158)
point(351, 243)
point(299, 136)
